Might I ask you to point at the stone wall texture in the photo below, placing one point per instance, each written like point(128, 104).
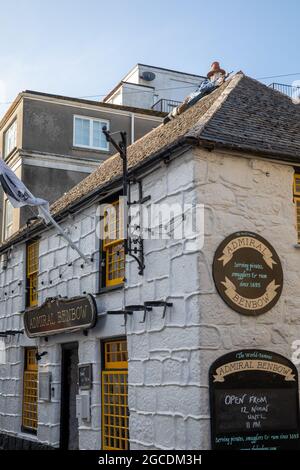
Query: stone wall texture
point(169, 356)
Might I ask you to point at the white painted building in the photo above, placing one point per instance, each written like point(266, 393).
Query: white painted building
point(157, 88)
point(224, 154)
point(48, 142)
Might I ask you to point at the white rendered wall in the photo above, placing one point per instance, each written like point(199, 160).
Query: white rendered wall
point(75, 280)
point(168, 358)
point(167, 84)
point(137, 96)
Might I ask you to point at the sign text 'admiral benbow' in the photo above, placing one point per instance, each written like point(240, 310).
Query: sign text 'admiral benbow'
point(254, 401)
point(248, 274)
point(58, 315)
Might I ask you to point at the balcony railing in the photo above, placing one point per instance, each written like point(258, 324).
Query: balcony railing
point(289, 90)
point(165, 106)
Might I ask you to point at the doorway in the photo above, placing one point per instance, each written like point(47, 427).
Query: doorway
point(69, 437)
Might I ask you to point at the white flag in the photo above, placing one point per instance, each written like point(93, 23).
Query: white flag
point(19, 196)
point(17, 192)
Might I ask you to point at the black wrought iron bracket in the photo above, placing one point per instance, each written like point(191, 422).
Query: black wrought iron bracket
point(120, 312)
point(136, 244)
point(139, 308)
point(129, 309)
point(4, 334)
point(39, 356)
point(159, 303)
point(146, 307)
point(134, 247)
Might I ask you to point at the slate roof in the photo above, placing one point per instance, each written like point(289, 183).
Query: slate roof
point(159, 139)
point(256, 118)
point(242, 114)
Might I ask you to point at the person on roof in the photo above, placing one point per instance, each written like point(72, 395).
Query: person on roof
point(215, 78)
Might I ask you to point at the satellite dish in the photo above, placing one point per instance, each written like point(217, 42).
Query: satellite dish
point(148, 76)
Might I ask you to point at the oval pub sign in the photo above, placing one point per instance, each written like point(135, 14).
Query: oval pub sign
point(248, 273)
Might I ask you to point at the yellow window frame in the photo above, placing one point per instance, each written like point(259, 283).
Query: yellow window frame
point(297, 184)
point(32, 272)
point(113, 243)
point(115, 354)
point(30, 391)
point(115, 416)
point(297, 204)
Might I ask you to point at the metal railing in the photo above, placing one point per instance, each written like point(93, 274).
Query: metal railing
point(165, 106)
point(289, 90)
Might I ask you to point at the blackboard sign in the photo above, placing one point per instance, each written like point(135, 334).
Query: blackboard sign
point(247, 273)
point(254, 402)
point(85, 376)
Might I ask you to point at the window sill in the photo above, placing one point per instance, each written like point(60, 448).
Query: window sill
point(90, 149)
point(29, 308)
point(6, 157)
point(28, 433)
point(105, 290)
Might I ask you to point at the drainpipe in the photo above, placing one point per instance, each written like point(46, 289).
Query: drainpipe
point(132, 127)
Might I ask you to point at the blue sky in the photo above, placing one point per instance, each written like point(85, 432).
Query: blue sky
point(83, 48)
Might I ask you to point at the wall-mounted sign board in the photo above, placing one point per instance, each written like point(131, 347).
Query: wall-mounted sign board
point(247, 273)
point(254, 402)
point(85, 376)
point(59, 315)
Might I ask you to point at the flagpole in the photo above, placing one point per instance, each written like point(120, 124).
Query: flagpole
point(63, 234)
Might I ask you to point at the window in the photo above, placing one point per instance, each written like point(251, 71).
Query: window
point(297, 203)
point(29, 415)
point(115, 396)
point(10, 139)
point(113, 244)
point(8, 219)
point(88, 133)
point(32, 273)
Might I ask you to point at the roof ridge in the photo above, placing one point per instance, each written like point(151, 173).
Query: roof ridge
point(209, 114)
point(235, 79)
point(242, 114)
point(271, 90)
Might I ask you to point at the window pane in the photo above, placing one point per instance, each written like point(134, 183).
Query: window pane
point(99, 140)
point(82, 132)
point(9, 212)
point(33, 257)
point(8, 219)
point(32, 272)
point(115, 435)
point(298, 218)
point(10, 139)
point(113, 225)
point(115, 264)
point(297, 184)
point(30, 390)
